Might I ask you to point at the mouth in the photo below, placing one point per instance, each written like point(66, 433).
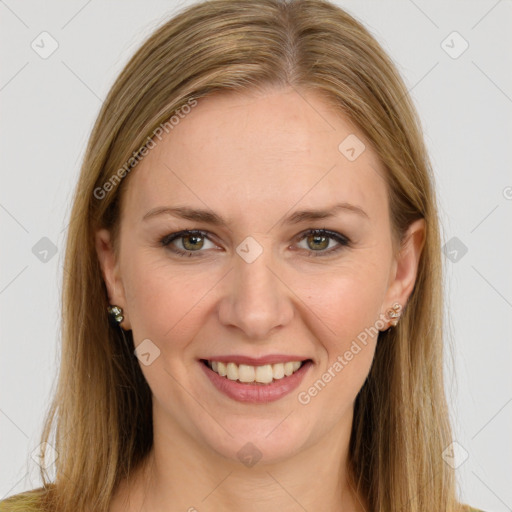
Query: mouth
point(265, 374)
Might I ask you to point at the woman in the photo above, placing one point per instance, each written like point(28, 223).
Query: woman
point(252, 305)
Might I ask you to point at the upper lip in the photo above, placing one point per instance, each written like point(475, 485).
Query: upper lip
point(258, 361)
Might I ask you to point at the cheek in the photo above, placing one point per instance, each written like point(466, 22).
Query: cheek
point(347, 305)
point(163, 299)
point(348, 299)
point(348, 308)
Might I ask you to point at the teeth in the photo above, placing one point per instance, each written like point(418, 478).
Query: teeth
point(278, 370)
point(264, 374)
point(232, 371)
point(246, 373)
point(221, 369)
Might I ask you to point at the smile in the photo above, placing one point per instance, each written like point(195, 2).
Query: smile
point(258, 384)
point(264, 374)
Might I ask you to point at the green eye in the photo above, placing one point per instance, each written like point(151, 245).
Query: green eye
point(191, 241)
point(317, 240)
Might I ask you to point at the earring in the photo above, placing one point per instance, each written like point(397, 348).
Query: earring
point(394, 313)
point(115, 315)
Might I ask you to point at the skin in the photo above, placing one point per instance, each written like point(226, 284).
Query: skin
point(254, 159)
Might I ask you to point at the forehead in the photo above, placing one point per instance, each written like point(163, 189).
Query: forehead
point(242, 153)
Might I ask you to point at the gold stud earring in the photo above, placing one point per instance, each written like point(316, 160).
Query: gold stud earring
point(115, 315)
point(394, 313)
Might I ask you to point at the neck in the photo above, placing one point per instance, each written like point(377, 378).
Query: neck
point(181, 475)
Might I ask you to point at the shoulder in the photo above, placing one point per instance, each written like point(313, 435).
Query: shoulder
point(28, 501)
point(467, 508)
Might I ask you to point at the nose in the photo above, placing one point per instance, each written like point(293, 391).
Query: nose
point(256, 299)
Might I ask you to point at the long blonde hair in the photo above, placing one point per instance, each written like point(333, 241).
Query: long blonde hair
point(102, 406)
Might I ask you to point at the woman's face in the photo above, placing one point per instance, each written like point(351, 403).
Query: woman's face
point(255, 284)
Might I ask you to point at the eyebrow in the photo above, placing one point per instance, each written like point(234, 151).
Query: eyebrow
point(210, 217)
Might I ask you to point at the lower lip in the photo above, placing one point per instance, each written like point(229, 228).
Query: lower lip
point(257, 393)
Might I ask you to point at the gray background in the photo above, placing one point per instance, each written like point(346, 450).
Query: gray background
point(48, 106)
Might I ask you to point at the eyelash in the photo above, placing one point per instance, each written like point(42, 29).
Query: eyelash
point(342, 240)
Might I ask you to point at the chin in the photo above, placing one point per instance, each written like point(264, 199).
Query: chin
point(258, 442)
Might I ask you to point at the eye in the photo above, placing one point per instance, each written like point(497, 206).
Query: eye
point(191, 241)
point(319, 240)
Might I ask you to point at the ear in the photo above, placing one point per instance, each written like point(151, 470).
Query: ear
point(405, 266)
point(110, 272)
